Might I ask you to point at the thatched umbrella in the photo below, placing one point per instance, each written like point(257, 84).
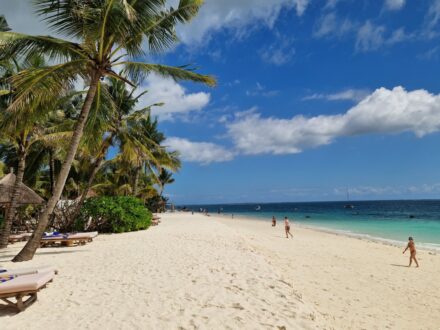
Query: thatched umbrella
point(26, 194)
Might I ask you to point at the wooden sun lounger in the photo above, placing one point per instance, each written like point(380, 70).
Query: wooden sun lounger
point(16, 238)
point(26, 236)
point(90, 236)
point(63, 241)
point(69, 239)
point(24, 286)
point(29, 271)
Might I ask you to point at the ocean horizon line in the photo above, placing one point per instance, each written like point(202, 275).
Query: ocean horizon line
point(313, 201)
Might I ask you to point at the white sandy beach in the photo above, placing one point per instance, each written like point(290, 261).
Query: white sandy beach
point(193, 272)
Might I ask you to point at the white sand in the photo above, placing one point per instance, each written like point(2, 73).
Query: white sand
point(192, 272)
point(353, 283)
point(189, 272)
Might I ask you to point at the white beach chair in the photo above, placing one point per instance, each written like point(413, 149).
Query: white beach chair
point(24, 286)
point(29, 271)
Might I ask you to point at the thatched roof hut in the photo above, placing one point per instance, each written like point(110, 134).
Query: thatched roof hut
point(26, 194)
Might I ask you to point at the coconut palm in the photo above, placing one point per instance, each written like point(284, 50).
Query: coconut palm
point(20, 137)
point(165, 178)
point(20, 133)
point(153, 164)
point(121, 126)
point(109, 33)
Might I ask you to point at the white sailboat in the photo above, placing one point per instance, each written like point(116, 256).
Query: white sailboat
point(348, 205)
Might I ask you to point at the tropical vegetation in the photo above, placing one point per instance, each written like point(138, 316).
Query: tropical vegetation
point(116, 214)
point(59, 139)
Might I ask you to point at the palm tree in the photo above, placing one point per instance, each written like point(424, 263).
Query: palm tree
point(110, 33)
point(21, 136)
point(121, 126)
point(165, 178)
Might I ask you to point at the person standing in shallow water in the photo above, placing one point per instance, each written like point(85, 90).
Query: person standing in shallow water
point(274, 221)
point(412, 249)
point(287, 227)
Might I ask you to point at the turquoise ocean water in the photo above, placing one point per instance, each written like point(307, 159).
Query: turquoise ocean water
point(389, 221)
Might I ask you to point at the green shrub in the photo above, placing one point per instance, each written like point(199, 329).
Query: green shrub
point(113, 215)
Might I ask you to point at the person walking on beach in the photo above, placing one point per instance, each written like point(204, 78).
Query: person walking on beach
point(287, 227)
point(412, 249)
point(274, 221)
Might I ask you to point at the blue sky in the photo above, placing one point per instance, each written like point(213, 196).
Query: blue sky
point(313, 97)
point(321, 62)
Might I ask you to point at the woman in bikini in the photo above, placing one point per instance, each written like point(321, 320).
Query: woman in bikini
point(412, 249)
point(287, 227)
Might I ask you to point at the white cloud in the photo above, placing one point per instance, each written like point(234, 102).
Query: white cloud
point(239, 16)
point(397, 36)
point(330, 25)
point(368, 191)
point(356, 95)
point(177, 100)
point(422, 189)
point(331, 4)
point(429, 54)
point(394, 4)
point(370, 37)
point(199, 152)
point(384, 111)
point(279, 53)
point(261, 90)
point(432, 19)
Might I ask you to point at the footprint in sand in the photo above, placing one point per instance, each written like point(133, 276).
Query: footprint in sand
point(237, 306)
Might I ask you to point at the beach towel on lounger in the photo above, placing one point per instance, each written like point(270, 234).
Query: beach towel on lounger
point(5, 278)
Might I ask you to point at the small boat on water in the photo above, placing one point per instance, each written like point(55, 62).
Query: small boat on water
point(258, 208)
point(348, 206)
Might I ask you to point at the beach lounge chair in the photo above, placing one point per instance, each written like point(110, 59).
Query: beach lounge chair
point(20, 287)
point(22, 237)
point(89, 236)
point(67, 239)
point(26, 236)
point(16, 238)
point(28, 271)
point(63, 241)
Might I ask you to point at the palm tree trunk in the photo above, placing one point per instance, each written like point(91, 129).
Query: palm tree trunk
point(137, 171)
point(10, 214)
point(96, 167)
point(51, 171)
point(27, 253)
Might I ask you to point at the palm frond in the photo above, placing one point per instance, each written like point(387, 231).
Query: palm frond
point(54, 139)
point(42, 85)
point(13, 44)
point(161, 32)
point(138, 71)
